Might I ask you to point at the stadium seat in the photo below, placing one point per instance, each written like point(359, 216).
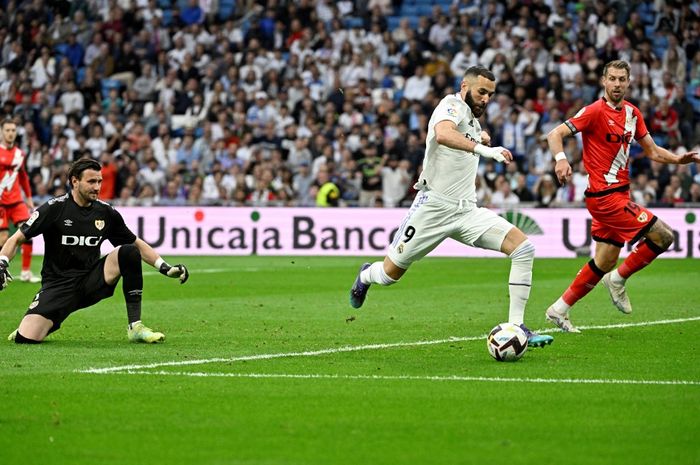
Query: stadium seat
point(109, 84)
point(80, 75)
point(167, 17)
point(393, 22)
point(354, 22)
point(425, 10)
point(409, 10)
point(61, 50)
point(227, 8)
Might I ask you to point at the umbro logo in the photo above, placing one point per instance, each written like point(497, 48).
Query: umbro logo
point(611, 122)
point(68, 222)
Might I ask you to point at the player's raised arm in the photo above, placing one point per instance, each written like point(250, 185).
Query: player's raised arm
point(150, 256)
point(662, 155)
point(555, 139)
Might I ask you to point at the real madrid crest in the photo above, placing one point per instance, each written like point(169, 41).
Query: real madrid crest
point(100, 224)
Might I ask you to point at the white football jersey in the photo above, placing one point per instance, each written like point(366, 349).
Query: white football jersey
point(448, 171)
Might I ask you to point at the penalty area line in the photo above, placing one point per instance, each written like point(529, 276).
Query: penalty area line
point(498, 379)
point(345, 349)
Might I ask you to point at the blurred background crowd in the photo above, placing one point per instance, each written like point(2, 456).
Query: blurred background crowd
point(326, 103)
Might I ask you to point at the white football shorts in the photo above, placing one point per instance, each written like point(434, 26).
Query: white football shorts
point(433, 218)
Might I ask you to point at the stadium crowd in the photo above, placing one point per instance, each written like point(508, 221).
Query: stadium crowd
point(321, 103)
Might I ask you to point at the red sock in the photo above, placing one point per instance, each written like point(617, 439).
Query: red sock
point(640, 257)
point(26, 256)
point(585, 281)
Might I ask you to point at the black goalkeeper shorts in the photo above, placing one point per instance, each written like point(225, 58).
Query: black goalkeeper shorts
point(58, 299)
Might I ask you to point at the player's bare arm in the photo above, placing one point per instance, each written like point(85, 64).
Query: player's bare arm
point(662, 155)
point(555, 139)
point(446, 134)
point(6, 254)
point(10, 248)
point(150, 256)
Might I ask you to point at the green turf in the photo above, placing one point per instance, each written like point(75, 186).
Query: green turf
point(361, 409)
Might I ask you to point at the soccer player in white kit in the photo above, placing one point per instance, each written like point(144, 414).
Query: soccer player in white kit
point(446, 202)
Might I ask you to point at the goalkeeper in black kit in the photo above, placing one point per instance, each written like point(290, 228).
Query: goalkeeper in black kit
point(73, 275)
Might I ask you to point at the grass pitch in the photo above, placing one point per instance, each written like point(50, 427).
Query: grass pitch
point(266, 363)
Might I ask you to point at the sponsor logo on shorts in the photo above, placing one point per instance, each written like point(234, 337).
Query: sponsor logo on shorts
point(100, 224)
point(643, 217)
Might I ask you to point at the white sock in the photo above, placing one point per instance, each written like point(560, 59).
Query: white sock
point(616, 278)
point(561, 307)
point(375, 274)
point(520, 280)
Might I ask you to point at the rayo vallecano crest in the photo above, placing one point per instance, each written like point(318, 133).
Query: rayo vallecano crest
point(100, 224)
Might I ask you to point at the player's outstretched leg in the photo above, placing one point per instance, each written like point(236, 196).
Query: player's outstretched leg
point(519, 285)
point(369, 274)
point(536, 340)
point(138, 332)
point(358, 292)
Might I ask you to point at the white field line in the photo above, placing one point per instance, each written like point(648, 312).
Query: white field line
point(337, 350)
point(416, 378)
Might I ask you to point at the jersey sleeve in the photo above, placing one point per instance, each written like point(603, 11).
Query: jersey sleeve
point(581, 120)
point(641, 129)
point(119, 233)
point(40, 220)
point(450, 110)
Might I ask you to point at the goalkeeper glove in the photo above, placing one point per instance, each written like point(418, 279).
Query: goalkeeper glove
point(5, 276)
point(175, 271)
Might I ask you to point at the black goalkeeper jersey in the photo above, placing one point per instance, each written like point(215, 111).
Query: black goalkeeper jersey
point(73, 235)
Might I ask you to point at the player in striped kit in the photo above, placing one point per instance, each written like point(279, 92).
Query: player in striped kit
point(13, 182)
point(608, 128)
point(446, 203)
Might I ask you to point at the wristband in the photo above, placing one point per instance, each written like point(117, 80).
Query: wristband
point(560, 156)
point(481, 149)
point(156, 265)
point(3, 258)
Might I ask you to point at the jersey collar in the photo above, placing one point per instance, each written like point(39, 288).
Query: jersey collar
point(610, 105)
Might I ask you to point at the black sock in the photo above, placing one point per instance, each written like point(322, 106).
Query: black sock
point(130, 268)
point(19, 339)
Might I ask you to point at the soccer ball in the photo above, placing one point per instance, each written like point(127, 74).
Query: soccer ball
point(507, 342)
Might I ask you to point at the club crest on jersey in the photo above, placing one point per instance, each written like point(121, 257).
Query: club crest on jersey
point(643, 217)
point(399, 249)
point(100, 224)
